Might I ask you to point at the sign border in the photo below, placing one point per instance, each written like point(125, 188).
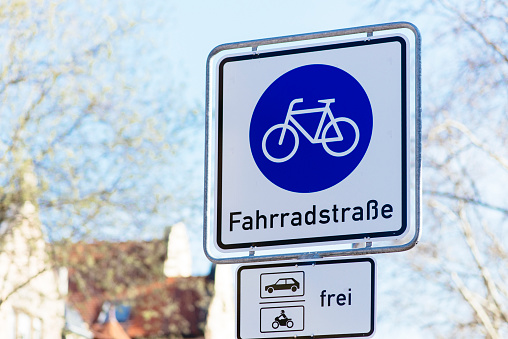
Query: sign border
point(310, 263)
point(231, 257)
point(404, 131)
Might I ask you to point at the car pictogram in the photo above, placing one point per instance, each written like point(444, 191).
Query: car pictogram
point(283, 284)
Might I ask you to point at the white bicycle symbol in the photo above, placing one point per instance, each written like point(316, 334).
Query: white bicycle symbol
point(319, 136)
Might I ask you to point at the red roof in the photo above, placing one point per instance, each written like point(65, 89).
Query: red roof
point(131, 274)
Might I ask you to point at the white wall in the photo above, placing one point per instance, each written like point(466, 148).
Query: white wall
point(28, 284)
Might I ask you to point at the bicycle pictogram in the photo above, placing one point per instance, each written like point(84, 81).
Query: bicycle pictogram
point(320, 136)
point(311, 128)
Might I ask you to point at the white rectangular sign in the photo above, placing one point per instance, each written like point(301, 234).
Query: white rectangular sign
point(319, 299)
point(312, 145)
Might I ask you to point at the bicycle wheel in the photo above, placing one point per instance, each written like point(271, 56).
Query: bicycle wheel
point(351, 148)
point(265, 137)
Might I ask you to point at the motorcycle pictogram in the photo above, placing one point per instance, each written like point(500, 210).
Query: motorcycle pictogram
point(282, 320)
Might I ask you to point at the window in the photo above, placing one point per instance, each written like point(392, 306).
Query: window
point(36, 328)
point(11, 324)
point(26, 326)
point(122, 312)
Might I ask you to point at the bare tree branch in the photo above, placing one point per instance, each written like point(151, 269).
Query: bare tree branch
point(470, 135)
point(475, 305)
point(470, 200)
point(22, 285)
point(475, 28)
point(486, 276)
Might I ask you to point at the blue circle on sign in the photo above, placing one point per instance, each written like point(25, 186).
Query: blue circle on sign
point(311, 128)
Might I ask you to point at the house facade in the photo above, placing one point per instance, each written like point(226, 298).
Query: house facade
point(32, 292)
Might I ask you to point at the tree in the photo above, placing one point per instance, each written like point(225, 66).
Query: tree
point(80, 114)
point(463, 257)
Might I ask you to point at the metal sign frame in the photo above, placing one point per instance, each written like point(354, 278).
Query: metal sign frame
point(356, 250)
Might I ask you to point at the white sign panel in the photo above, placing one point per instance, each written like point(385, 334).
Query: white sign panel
point(312, 145)
point(334, 298)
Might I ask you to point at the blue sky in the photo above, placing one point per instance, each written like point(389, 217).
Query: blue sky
point(195, 27)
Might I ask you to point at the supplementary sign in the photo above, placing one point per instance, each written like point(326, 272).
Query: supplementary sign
point(333, 298)
point(312, 145)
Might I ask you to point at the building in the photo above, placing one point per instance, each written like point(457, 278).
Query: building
point(143, 287)
point(32, 291)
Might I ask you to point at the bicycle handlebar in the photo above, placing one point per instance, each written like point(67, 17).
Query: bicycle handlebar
point(327, 103)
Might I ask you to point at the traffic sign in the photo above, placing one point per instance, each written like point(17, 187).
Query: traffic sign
point(333, 298)
point(311, 144)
